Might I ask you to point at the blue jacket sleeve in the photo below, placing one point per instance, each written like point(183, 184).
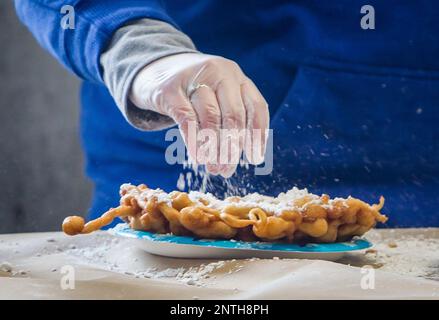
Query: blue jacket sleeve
point(79, 49)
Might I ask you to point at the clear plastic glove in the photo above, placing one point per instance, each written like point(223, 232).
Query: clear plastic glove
point(208, 92)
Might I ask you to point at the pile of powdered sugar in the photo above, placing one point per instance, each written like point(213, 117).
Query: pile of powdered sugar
point(195, 275)
point(142, 196)
point(276, 205)
point(8, 268)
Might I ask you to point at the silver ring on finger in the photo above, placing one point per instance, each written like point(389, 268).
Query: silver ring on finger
point(194, 88)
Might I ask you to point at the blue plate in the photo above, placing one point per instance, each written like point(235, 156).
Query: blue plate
point(184, 246)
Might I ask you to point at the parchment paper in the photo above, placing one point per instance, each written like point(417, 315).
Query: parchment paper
point(405, 266)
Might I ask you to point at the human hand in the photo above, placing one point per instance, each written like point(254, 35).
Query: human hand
point(209, 92)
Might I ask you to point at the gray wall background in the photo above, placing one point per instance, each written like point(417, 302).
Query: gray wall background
point(41, 162)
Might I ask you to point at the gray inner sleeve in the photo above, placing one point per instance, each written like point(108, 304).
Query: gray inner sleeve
point(132, 47)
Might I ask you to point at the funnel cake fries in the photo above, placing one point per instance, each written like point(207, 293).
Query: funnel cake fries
point(296, 216)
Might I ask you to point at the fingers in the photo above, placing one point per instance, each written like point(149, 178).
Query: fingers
point(233, 116)
point(258, 119)
point(182, 112)
point(207, 109)
point(243, 112)
point(222, 117)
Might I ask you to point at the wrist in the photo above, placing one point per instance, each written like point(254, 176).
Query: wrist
point(133, 47)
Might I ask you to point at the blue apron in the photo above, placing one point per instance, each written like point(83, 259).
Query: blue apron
point(353, 111)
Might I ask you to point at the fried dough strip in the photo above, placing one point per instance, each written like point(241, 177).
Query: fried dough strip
point(74, 225)
point(319, 221)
